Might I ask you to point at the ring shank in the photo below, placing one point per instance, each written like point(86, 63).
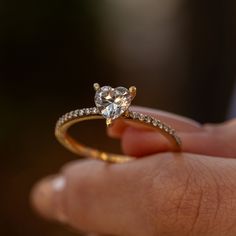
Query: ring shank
point(74, 117)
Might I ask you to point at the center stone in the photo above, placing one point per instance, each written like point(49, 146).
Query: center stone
point(112, 102)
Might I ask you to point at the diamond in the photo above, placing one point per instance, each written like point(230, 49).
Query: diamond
point(112, 102)
point(87, 111)
point(155, 122)
point(76, 113)
point(141, 117)
point(172, 131)
point(148, 119)
point(166, 128)
point(81, 112)
point(71, 114)
point(66, 117)
point(94, 110)
point(135, 115)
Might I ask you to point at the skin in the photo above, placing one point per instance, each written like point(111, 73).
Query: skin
point(161, 193)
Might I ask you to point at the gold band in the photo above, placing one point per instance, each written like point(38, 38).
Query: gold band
point(73, 117)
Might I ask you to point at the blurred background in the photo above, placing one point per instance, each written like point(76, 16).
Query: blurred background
point(180, 54)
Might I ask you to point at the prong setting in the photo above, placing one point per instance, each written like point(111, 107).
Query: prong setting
point(109, 122)
point(96, 86)
point(133, 91)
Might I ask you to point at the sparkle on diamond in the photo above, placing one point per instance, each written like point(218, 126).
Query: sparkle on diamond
point(112, 102)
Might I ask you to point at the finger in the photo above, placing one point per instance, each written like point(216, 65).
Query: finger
point(179, 123)
point(215, 140)
point(143, 143)
point(167, 194)
point(47, 196)
point(88, 201)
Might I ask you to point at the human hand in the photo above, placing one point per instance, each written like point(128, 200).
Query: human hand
point(163, 194)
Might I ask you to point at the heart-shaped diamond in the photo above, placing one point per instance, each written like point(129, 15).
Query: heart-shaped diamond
point(112, 102)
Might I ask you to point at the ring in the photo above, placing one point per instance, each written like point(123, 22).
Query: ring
point(111, 104)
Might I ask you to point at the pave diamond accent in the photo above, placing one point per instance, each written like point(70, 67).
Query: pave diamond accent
point(148, 119)
point(87, 111)
point(136, 116)
point(112, 102)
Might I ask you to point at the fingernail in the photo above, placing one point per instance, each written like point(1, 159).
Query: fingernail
point(47, 198)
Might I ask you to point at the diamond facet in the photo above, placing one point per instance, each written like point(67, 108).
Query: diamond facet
point(112, 102)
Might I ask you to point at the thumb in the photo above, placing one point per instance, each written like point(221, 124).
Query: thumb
point(166, 194)
point(94, 196)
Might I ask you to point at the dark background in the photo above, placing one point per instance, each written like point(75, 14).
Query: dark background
point(180, 55)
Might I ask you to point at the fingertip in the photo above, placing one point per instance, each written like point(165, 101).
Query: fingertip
point(46, 198)
point(41, 197)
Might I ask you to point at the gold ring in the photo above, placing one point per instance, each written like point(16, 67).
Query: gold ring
point(111, 104)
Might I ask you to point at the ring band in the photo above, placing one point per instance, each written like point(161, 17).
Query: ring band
point(80, 115)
